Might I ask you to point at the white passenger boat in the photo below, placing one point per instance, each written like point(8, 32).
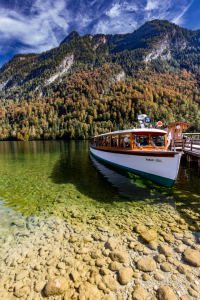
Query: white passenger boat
point(142, 151)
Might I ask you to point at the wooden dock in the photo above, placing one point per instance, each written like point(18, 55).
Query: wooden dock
point(190, 147)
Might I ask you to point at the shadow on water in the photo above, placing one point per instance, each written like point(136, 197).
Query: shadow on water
point(104, 183)
point(103, 195)
point(108, 184)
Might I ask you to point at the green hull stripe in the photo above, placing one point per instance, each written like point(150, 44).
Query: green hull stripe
point(155, 178)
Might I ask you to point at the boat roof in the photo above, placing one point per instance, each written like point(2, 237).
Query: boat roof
point(136, 130)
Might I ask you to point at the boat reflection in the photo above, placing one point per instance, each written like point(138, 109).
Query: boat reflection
point(132, 186)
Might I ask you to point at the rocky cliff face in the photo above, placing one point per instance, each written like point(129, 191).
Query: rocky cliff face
point(155, 39)
point(166, 46)
point(99, 39)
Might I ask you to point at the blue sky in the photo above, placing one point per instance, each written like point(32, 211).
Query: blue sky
point(28, 26)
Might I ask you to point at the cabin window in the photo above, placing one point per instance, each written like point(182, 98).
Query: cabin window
point(157, 140)
point(94, 142)
point(103, 141)
point(108, 141)
point(114, 141)
point(141, 140)
point(99, 141)
point(125, 140)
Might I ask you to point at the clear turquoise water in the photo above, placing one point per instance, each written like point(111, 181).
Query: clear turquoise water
point(59, 178)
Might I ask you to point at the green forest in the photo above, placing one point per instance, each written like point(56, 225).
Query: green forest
point(109, 84)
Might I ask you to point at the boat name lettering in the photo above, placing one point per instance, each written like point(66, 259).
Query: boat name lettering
point(149, 159)
point(158, 160)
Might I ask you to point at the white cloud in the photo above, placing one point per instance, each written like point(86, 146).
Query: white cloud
point(152, 4)
point(114, 26)
point(37, 30)
point(83, 19)
point(118, 9)
point(178, 19)
point(49, 21)
point(130, 7)
point(114, 11)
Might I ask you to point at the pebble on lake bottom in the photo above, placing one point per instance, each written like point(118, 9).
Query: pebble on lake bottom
point(59, 261)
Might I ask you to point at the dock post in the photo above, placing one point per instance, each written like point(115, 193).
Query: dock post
point(198, 162)
point(189, 158)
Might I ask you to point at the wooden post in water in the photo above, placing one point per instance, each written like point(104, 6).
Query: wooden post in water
point(191, 144)
point(183, 144)
point(189, 158)
point(198, 162)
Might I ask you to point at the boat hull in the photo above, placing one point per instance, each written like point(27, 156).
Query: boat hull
point(161, 168)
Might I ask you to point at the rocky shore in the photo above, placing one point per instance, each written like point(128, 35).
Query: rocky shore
point(52, 259)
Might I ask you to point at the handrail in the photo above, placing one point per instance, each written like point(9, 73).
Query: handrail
point(186, 143)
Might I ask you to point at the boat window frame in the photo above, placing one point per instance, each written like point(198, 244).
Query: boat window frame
point(141, 134)
point(103, 141)
point(99, 139)
point(165, 137)
point(130, 146)
point(149, 136)
point(112, 135)
point(107, 136)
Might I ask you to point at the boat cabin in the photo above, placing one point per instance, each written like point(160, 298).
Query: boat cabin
point(135, 139)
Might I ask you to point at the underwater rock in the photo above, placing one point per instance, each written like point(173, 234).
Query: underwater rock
point(22, 275)
point(139, 294)
point(160, 258)
point(146, 277)
point(148, 236)
point(159, 276)
point(193, 293)
point(152, 245)
point(184, 269)
point(140, 228)
point(125, 275)
point(56, 286)
point(87, 291)
point(111, 283)
point(114, 266)
point(119, 256)
point(166, 267)
point(181, 248)
point(111, 244)
point(166, 250)
point(192, 257)
point(166, 293)
point(108, 297)
point(146, 264)
point(39, 286)
point(21, 291)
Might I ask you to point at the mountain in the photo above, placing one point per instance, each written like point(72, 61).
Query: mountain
point(90, 84)
point(154, 39)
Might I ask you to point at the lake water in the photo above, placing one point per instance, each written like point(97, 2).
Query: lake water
point(57, 178)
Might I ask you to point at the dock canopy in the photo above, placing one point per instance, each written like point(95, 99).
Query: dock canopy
point(177, 128)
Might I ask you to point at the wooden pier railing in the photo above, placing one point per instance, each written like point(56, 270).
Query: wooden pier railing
point(189, 144)
point(191, 147)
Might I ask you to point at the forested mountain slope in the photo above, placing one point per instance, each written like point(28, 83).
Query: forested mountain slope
point(92, 84)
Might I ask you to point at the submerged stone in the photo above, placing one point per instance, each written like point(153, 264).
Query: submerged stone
point(192, 257)
point(146, 264)
point(149, 235)
point(56, 286)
